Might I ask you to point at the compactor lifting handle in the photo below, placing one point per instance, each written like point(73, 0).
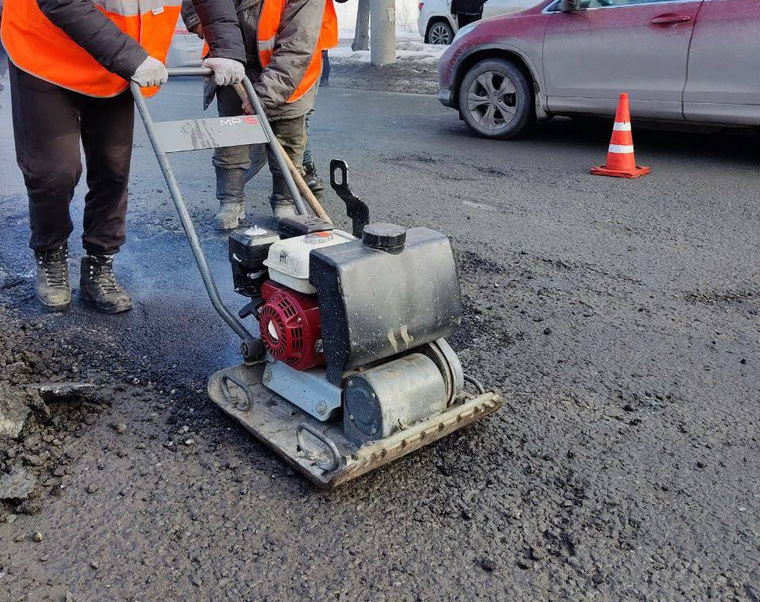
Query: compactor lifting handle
point(251, 347)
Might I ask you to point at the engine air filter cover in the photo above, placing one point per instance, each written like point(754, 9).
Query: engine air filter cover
point(290, 327)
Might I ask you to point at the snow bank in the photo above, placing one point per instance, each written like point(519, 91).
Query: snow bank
point(406, 50)
point(409, 47)
point(406, 13)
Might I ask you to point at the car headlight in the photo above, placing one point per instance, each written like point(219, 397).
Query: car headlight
point(464, 30)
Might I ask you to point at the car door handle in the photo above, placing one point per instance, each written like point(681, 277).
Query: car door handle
point(670, 19)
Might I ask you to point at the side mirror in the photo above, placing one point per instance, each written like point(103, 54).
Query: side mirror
point(569, 6)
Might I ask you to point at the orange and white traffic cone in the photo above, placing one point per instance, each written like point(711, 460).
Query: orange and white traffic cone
point(620, 160)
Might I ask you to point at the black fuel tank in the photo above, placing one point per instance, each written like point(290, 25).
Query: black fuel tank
point(375, 303)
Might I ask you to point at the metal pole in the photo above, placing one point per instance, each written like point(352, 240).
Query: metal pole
point(184, 216)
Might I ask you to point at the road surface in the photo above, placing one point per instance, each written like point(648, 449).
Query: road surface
point(620, 319)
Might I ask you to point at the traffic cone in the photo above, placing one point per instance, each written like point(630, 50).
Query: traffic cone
point(620, 160)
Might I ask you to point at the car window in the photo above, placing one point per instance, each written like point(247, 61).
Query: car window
point(604, 3)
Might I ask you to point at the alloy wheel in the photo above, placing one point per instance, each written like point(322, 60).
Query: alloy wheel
point(492, 100)
point(440, 34)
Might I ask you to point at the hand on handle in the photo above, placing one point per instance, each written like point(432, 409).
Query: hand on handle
point(151, 72)
point(226, 71)
point(245, 101)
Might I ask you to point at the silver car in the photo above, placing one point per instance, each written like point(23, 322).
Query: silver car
point(186, 48)
point(679, 60)
point(437, 24)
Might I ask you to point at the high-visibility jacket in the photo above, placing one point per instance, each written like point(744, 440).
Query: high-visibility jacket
point(328, 37)
point(269, 25)
point(37, 46)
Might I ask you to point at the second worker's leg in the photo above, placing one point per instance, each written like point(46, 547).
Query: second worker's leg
point(292, 136)
point(230, 164)
point(310, 175)
point(107, 128)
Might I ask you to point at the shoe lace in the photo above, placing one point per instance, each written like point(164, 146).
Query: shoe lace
point(101, 273)
point(55, 267)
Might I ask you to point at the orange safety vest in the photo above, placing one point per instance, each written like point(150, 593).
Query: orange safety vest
point(38, 47)
point(328, 37)
point(266, 32)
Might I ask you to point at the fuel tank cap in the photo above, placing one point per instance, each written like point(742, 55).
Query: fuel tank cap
point(390, 238)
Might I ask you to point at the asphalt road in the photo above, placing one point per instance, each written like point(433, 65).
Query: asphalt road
point(620, 319)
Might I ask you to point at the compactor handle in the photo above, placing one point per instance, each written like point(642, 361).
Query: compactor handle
point(251, 347)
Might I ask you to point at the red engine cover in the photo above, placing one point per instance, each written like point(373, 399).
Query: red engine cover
point(290, 326)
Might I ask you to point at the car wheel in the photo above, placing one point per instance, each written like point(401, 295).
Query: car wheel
point(440, 33)
point(495, 99)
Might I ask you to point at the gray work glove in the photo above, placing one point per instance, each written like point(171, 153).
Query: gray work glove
point(151, 72)
point(226, 71)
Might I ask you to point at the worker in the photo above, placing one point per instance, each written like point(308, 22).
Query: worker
point(71, 65)
point(284, 63)
point(328, 38)
point(467, 11)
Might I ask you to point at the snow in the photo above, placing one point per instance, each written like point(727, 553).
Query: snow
point(403, 32)
point(405, 51)
point(409, 47)
point(406, 13)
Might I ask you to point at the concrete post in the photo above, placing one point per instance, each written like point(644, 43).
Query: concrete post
point(382, 32)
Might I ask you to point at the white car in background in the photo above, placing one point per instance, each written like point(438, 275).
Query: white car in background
point(438, 26)
point(186, 48)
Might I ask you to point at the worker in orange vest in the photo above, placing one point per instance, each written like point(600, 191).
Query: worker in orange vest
point(284, 62)
point(71, 65)
point(328, 38)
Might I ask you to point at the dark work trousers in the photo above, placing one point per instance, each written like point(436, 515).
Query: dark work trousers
point(325, 78)
point(48, 124)
point(3, 61)
point(308, 157)
point(467, 18)
point(290, 132)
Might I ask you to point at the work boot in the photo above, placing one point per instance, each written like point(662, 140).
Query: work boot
point(230, 190)
point(229, 216)
point(98, 285)
point(282, 206)
point(52, 285)
point(313, 181)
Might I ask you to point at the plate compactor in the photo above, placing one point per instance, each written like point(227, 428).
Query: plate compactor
point(351, 368)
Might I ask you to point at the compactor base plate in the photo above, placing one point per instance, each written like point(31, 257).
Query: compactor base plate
point(318, 450)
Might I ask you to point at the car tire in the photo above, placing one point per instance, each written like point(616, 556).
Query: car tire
point(495, 99)
point(440, 33)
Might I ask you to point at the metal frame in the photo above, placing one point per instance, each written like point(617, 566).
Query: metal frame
point(251, 345)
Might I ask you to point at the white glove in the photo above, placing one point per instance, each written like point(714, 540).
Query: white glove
point(151, 72)
point(226, 71)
